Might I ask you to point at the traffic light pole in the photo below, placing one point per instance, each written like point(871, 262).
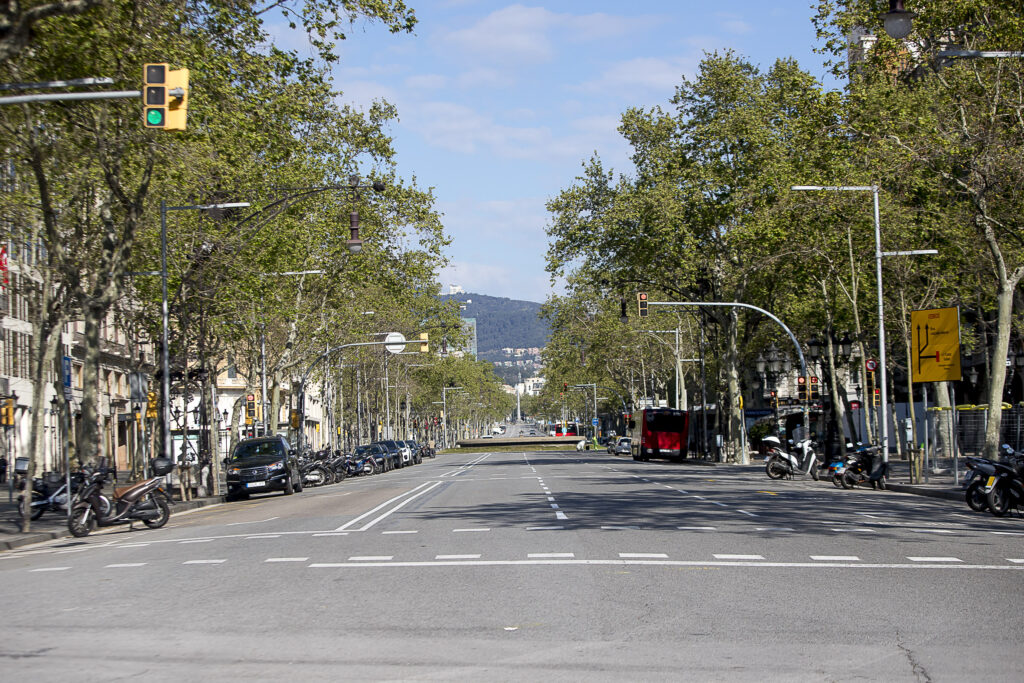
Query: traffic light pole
point(737, 304)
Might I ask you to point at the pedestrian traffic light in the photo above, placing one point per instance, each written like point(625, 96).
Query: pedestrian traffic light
point(641, 301)
point(7, 412)
point(801, 388)
point(877, 400)
point(164, 97)
point(152, 405)
point(774, 399)
point(424, 342)
point(814, 389)
point(250, 409)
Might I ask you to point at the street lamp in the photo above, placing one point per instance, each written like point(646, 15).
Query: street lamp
point(898, 22)
point(884, 422)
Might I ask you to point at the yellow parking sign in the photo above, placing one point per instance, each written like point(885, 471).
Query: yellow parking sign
point(935, 336)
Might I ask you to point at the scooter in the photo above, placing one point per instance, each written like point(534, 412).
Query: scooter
point(863, 467)
point(781, 464)
point(145, 502)
point(978, 472)
point(1005, 487)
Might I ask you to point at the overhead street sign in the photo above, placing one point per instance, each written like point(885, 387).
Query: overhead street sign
point(395, 342)
point(935, 345)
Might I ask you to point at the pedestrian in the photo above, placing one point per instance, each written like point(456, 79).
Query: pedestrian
point(3, 469)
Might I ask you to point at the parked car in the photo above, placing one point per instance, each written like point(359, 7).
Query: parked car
point(416, 450)
point(404, 452)
point(375, 452)
point(624, 446)
point(263, 464)
point(392, 454)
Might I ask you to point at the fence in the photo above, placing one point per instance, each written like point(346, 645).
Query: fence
point(970, 429)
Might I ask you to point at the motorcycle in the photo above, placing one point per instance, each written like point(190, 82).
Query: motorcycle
point(779, 463)
point(1005, 487)
point(145, 502)
point(49, 492)
point(979, 470)
point(864, 467)
point(835, 472)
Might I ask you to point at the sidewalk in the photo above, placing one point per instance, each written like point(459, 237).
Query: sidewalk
point(54, 525)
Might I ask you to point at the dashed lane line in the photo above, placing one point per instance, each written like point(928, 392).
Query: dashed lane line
point(643, 556)
point(935, 559)
point(125, 565)
point(469, 531)
point(550, 556)
point(458, 557)
point(835, 558)
point(738, 557)
point(204, 561)
point(50, 569)
point(371, 558)
point(400, 532)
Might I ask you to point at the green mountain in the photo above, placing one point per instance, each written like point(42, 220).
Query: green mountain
point(502, 322)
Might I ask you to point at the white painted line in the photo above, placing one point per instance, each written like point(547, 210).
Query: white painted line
point(131, 545)
point(73, 550)
point(459, 531)
point(400, 506)
point(204, 561)
point(738, 557)
point(560, 515)
point(381, 506)
point(641, 556)
point(263, 536)
point(620, 528)
point(197, 540)
point(126, 564)
point(458, 557)
point(544, 528)
point(332, 533)
point(50, 569)
point(715, 502)
point(835, 558)
point(669, 563)
point(935, 559)
point(258, 521)
point(748, 514)
point(1010, 559)
point(699, 497)
point(848, 529)
point(400, 532)
point(550, 499)
point(371, 558)
point(696, 528)
point(1009, 533)
point(286, 559)
point(550, 556)
point(775, 528)
point(554, 506)
point(931, 531)
point(865, 514)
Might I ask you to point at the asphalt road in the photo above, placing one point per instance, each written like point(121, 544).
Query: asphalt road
point(521, 566)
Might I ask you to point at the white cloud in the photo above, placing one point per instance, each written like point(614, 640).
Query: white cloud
point(362, 93)
point(735, 24)
point(642, 75)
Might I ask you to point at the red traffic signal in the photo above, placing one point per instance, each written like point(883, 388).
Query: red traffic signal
point(801, 388)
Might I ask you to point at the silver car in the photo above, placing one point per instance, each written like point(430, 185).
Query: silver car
point(624, 446)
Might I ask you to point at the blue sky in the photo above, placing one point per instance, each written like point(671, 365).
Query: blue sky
point(501, 103)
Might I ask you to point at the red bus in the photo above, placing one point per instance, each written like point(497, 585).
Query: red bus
point(663, 434)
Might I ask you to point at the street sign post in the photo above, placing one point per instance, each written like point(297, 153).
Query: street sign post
point(936, 345)
point(395, 342)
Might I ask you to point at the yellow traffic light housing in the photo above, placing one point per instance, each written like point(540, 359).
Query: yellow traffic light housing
point(814, 389)
point(801, 388)
point(164, 97)
point(641, 301)
point(424, 342)
point(250, 409)
point(7, 412)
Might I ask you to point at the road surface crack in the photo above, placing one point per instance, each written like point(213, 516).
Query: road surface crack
point(920, 673)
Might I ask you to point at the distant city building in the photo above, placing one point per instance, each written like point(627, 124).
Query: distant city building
point(455, 289)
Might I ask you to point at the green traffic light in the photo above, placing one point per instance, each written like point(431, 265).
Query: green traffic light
point(155, 117)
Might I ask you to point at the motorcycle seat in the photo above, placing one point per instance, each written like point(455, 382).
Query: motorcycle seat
point(125, 492)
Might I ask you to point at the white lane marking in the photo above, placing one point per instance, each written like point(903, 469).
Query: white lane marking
point(258, 521)
point(204, 561)
point(1010, 559)
point(400, 532)
point(400, 506)
point(550, 556)
point(866, 514)
point(620, 528)
point(264, 536)
point(738, 557)
point(1008, 533)
point(126, 564)
point(696, 528)
point(668, 563)
point(50, 569)
point(560, 515)
point(462, 531)
point(196, 540)
point(458, 557)
point(847, 529)
point(748, 514)
point(935, 559)
point(775, 528)
point(931, 531)
point(371, 558)
point(682, 491)
point(286, 559)
point(73, 550)
point(544, 528)
point(381, 506)
point(332, 533)
point(640, 556)
point(835, 558)
point(715, 502)
point(131, 545)
point(554, 506)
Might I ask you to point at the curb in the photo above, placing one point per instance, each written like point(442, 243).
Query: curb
point(41, 536)
point(946, 494)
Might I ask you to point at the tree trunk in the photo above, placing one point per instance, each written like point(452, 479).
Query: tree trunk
point(88, 444)
point(997, 373)
point(732, 378)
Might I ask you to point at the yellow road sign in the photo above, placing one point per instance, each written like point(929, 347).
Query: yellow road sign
point(935, 344)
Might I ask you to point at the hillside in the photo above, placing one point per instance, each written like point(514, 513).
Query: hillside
point(502, 322)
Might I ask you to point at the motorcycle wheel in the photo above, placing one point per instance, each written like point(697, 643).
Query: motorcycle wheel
point(998, 500)
point(82, 521)
point(368, 468)
point(37, 510)
point(849, 480)
point(165, 514)
point(837, 480)
point(976, 499)
point(815, 475)
point(774, 468)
